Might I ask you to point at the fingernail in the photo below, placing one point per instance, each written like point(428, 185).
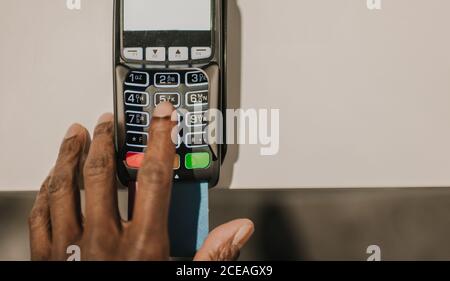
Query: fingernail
point(163, 110)
point(244, 233)
point(107, 117)
point(73, 131)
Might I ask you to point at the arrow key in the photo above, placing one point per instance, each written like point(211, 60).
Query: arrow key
point(155, 54)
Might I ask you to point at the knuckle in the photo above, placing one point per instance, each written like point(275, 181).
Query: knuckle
point(40, 209)
point(227, 253)
point(106, 128)
point(155, 173)
point(38, 217)
point(107, 234)
point(102, 240)
point(98, 165)
point(71, 146)
point(61, 180)
point(161, 133)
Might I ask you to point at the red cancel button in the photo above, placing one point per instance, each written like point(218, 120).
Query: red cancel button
point(134, 159)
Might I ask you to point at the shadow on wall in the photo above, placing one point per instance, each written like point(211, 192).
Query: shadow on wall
point(277, 238)
point(234, 73)
point(277, 235)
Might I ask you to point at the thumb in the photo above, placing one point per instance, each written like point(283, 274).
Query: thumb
point(225, 242)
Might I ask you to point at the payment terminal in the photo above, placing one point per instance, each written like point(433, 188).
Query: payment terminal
point(170, 50)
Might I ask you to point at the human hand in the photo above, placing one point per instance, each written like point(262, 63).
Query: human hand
point(56, 220)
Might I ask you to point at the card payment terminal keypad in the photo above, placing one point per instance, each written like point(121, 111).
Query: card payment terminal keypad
point(187, 90)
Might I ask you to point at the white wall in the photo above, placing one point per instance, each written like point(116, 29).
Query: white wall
point(363, 95)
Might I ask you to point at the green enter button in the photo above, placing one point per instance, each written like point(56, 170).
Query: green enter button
point(200, 160)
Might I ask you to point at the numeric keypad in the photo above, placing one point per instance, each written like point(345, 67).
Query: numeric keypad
point(188, 91)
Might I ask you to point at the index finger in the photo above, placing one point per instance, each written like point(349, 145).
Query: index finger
point(155, 177)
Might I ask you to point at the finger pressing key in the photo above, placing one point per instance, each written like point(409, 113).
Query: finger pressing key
point(155, 176)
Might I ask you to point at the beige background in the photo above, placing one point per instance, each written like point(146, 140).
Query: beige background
point(364, 95)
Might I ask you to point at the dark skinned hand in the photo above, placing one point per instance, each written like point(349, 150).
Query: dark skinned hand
point(56, 220)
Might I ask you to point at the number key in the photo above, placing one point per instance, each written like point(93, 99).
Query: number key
point(197, 98)
point(173, 98)
point(165, 80)
point(196, 119)
point(137, 119)
point(133, 98)
point(138, 79)
point(196, 78)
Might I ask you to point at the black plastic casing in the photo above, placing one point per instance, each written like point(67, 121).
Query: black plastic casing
point(215, 69)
